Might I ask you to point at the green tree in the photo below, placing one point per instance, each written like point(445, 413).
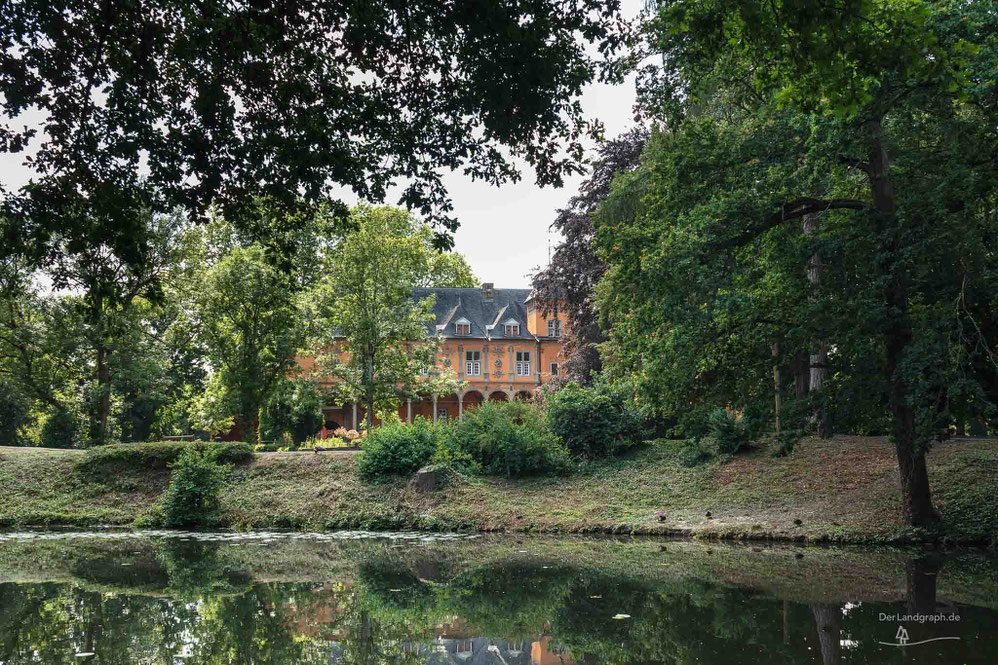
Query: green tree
point(823, 180)
point(107, 289)
point(449, 270)
point(39, 338)
point(365, 307)
point(252, 329)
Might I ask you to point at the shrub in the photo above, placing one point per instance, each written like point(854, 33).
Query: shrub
point(61, 430)
point(786, 441)
point(691, 453)
point(396, 449)
point(509, 439)
point(594, 422)
point(729, 433)
point(196, 480)
point(157, 455)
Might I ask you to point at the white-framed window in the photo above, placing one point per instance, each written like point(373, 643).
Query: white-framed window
point(523, 363)
point(554, 369)
point(462, 327)
point(512, 329)
point(473, 363)
point(554, 327)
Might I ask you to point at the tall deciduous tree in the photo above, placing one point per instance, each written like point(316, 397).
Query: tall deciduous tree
point(252, 328)
point(109, 301)
point(366, 308)
point(875, 116)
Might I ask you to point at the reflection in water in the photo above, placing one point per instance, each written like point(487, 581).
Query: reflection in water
point(172, 601)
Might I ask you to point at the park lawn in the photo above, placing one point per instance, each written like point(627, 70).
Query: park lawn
point(844, 489)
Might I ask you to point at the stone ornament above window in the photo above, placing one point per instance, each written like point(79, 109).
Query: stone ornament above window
point(446, 362)
point(498, 362)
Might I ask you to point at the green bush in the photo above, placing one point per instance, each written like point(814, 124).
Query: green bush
point(397, 449)
point(692, 453)
point(196, 479)
point(61, 430)
point(508, 439)
point(594, 422)
point(786, 441)
point(729, 433)
point(157, 455)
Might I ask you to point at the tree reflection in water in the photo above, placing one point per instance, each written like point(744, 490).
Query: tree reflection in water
point(184, 602)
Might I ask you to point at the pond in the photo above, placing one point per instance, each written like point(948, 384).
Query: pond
point(168, 597)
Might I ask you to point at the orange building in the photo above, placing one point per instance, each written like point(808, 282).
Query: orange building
point(499, 343)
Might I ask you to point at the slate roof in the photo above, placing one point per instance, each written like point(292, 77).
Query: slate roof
point(486, 317)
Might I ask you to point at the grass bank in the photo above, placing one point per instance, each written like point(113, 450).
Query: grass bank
point(840, 490)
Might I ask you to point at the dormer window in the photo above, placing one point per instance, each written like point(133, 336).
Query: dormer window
point(511, 328)
point(554, 327)
point(462, 327)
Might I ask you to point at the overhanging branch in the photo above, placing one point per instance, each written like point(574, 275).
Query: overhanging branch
point(795, 209)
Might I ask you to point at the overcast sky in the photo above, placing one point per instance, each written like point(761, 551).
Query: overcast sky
point(504, 230)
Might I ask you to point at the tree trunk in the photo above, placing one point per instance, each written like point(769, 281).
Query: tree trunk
point(99, 433)
point(916, 497)
point(369, 384)
point(254, 425)
point(102, 369)
point(819, 372)
point(776, 385)
point(819, 357)
point(801, 374)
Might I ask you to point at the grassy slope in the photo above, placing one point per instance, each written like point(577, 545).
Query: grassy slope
point(844, 489)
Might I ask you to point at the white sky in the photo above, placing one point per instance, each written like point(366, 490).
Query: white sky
point(504, 230)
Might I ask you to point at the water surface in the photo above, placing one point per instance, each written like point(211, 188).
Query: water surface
point(354, 597)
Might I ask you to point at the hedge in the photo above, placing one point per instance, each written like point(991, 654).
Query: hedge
point(156, 455)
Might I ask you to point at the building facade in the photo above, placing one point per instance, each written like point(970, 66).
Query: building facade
point(499, 344)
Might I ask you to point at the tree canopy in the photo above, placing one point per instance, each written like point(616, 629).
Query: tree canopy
point(165, 104)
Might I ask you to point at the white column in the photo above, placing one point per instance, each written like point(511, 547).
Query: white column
point(355, 415)
point(434, 408)
point(408, 410)
point(460, 405)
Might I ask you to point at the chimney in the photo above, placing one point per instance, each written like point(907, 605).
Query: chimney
point(487, 291)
